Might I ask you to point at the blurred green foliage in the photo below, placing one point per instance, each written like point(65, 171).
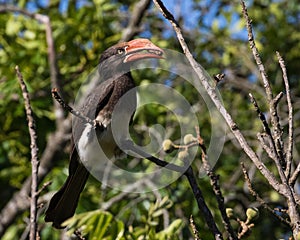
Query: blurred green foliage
point(217, 37)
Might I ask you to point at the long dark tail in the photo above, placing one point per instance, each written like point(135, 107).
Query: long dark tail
point(63, 204)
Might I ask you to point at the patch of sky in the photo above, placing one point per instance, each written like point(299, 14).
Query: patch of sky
point(33, 6)
point(252, 78)
point(63, 6)
point(238, 32)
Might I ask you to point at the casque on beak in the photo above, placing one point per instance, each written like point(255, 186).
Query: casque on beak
point(140, 49)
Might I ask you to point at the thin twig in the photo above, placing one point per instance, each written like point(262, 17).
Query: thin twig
point(277, 99)
point(295, 176)
point(34, 156)
point(54, 70)
point(289, 150)
point(78, 114)
point(209, 219)
point(129, 145)
point(245, 228)
point(272, 149)
point(45, 185)
point(261, 117)
point(137, 14)
point(259, 199)
point(193, 226)
point(214, 181)
point(267, 86)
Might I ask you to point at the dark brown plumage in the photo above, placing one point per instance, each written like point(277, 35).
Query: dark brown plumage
point(114, 69)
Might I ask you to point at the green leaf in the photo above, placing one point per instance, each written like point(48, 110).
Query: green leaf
point(172, 229)
point(13, 26)
point(96, 225)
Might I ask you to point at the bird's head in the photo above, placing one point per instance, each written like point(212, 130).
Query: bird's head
point(117, 59)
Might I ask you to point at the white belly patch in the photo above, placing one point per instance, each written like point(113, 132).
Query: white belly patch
point(95, 151)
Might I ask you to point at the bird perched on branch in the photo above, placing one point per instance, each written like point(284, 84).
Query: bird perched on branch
point(114, 70)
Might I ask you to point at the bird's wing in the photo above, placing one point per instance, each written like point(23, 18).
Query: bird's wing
point(94, 103)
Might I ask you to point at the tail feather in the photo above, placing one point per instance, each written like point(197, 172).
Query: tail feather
point(63, 204)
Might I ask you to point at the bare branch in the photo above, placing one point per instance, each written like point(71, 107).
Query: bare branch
point(295, 176)
point(289, 150)
point(54, 70)
point(214, 181)
point(129, 145)
point(34, 157)
point(261, 117)
point(202, 205)
point(136, 17)
point(277, 99)
point(270, 151)
point(273, 111)
point(12, 8)
point(289, 194)
point(244, 228)
point(193, 226)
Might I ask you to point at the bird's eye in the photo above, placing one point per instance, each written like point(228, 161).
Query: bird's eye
point(121, 51)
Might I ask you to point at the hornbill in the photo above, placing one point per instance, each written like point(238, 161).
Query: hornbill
point(116, 80)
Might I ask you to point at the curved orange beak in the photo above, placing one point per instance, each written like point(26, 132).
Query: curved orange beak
point(140, 49)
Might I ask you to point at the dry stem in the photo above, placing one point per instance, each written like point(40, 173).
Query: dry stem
point(34, 157)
